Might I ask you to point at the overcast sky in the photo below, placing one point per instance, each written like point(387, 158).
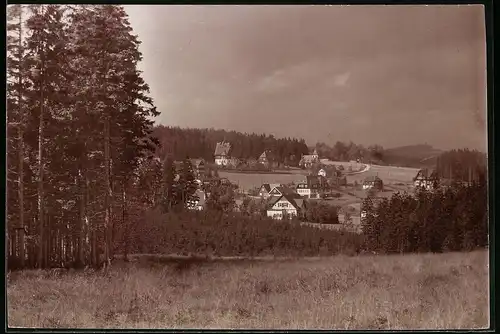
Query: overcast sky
point(388, 75)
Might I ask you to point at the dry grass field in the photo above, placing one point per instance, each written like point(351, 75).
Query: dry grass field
point(366, 292)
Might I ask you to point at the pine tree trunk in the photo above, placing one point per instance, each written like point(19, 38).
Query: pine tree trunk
point(21, 147)
point(126, 225)
point(40, 197)
point(81, 222)
point(107, 197)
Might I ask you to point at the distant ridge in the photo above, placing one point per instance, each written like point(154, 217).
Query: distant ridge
point(420, 155)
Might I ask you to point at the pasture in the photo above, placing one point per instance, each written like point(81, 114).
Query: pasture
point(418, 291)
point(246, 181)
point(398, 178)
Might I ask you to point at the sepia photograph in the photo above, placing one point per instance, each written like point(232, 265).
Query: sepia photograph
point(247, 167)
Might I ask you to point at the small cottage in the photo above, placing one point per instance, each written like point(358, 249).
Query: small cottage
point(264, 158)
point(373, 182)
point(426, 178)
point(221, 153)
point(311, 188)
point(308, 160)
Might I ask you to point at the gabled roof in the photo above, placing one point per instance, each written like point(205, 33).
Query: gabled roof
point(270, 186)
point(263, 155)
point(222, 148)
point(297, 202)
point(287, 191)
point(426, 174)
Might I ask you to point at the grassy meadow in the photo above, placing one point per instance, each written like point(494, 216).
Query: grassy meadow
point(426, 291)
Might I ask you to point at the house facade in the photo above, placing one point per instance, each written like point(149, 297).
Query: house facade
point(264, 159)
point(373, 182)
point(308, 190)
point(308, 160)
point(426, 179)
point(285, 206)
point(221, 154)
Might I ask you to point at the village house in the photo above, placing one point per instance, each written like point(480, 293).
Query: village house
point(287, 205)
point(221, 154)
point(426, 178)
point(264, 159)
point(308, 160)
point(266, 188)
point(373, 182)
point(311, 188)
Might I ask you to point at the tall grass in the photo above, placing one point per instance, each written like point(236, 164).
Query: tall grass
point(423, 291)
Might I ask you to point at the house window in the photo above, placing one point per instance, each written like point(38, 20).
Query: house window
point(282, 205)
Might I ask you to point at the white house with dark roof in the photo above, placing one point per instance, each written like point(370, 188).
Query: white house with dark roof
point(285, 206)
point(221, 153)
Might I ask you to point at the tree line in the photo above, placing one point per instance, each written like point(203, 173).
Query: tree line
point(79, 133)
point(451, 218)
point(461, 165)
point(200, 143)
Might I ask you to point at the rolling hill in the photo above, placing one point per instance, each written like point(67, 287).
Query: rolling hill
point(418, 156)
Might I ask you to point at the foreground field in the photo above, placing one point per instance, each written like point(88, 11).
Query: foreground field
point(367, 292)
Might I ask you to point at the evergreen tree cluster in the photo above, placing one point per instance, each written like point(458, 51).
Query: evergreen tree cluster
point(79, 133)
point(448, 219)
point(461, 165)
point(201, 143)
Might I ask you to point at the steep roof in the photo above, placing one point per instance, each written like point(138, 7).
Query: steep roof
point(263, 155)
point(287, 191)
point(222, 148)
point(426, 174)
point(297, 202)
point(270, 186)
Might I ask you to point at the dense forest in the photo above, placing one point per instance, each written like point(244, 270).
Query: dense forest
point(450, 219)
point(200, 143)
point(78, 136)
